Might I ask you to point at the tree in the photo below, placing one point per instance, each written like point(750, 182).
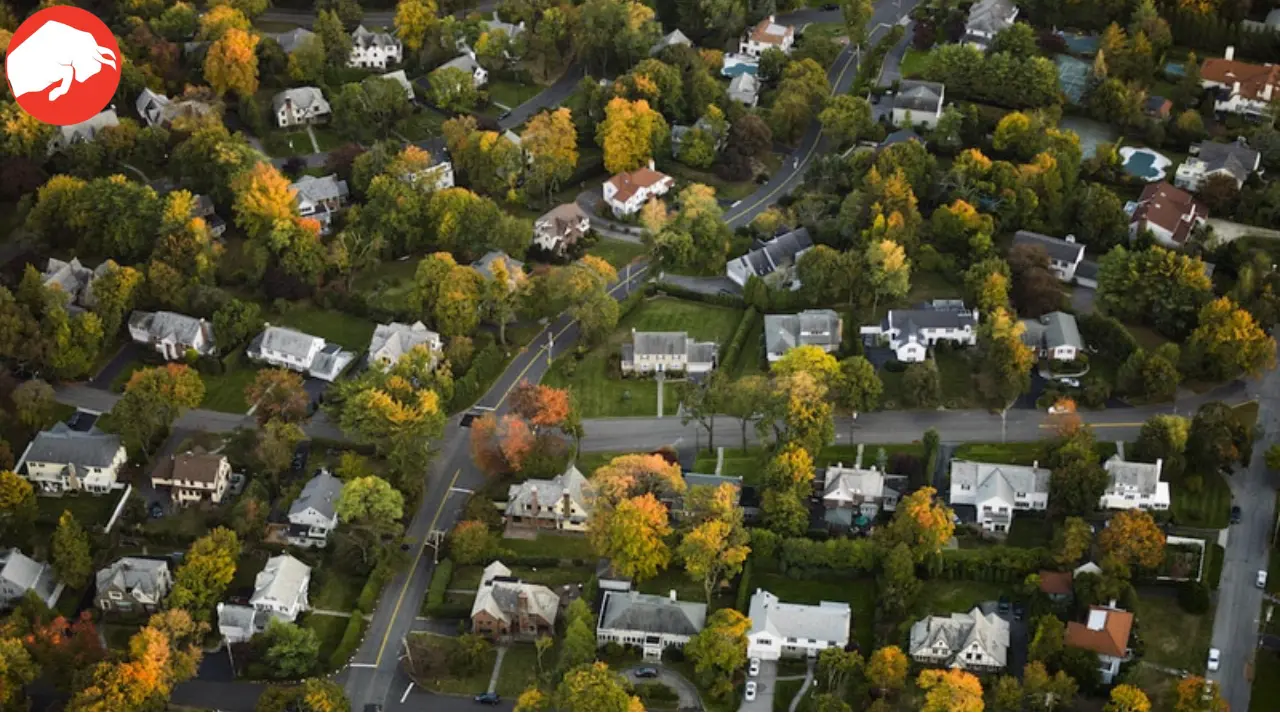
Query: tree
point(65, 649)
point(220, 19)
point(887, 668)
point(307, 61)
point(334, 37)
point(923, 385)
point(140, 681)
point(1128, 698)
point(745, 397)
point(719, 650)
point(1229, 342)
point(471, 542)
point(857, 13)
point(263, 200)
point(1071, 541)
point(1047, 641)
point(594, 688)
point(632, 537)
point(551, 141)
point(153, 398)
point(313, 695)
point(1047, 692)
point(922, 522)
point(1006, 696)
point(289, 650)
point(452, 89)
point(34, 403)
point(1018, 40)
point(857, 388)
point(704, 401)
point(1195, 694)
point(801, 93)
point(235, 322)
point(810, 359)
point(71, 552)
point(1005, 367)
point(370, 500)
point(1133, 538)
point(888, 270)
point(413, 20)
point(183, 635)
point(274, 445)
point(17, 506)
point(1157, 286)
point(231, 64)
point(799, 400)
point(846, 119)
point(205, 573)
point(898, 582)
point(951, 690)
point(579, 644)
point(714, 550)
point(114, 293)
point(532, 700)
point(277, 394)
point(1217, 440)
point(1035, 287)
point(399, 419)
point(630, 135)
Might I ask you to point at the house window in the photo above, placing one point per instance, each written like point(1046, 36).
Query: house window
point(791, 640)
point(763, 641)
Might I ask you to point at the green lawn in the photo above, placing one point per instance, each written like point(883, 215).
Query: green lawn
point(859, 593)
point(547, 545)
point(1209, 508)
point(1266, 682)
point(832, 30)
point(329, 629)
point(225, 392)
point(287, 143)
point(1172, 637)
point(848, 454)
point(943, 597)
point(725, 189)
point(751, 359)
point(449, 684)
point(511, 94)
point(913, 63)
point(958, 388)
point(1017, 453)
point(332, 589)
point(467, 577)
point(349, 331)
point(1148, 338)
point(89, 510)
point(520, 669)
point(421, 125)
point(675, 578)
point(618, 253)
point(748, 465)
point(784, 691)
point(600, 395)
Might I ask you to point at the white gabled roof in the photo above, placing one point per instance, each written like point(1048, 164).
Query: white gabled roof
point(826, 622)
point(281, 581)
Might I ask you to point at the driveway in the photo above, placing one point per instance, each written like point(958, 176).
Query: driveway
point(765, 683)
point(1082, 299)
point(704, 285)
point(689, 699)
point(128, 353)
point(889, 71)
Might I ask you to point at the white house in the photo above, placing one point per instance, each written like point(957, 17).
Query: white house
point(74, 279)
point(650, 352)
point(910, 333)
point(745, 88)
point(561, 227)
point(65, 460)
point(970, 641)
point(319, 198)
point(998, 491)
point(1064, 254)
point(650, 623)
point(300, 106)
point(172, 334)
point(780, 629)
point(772, 260)
point(1169, 213)
point(65, 136)
point(238, 623)
point(20, 574)
point(300, 352)
point(986, 18)
point(440, 175)
point(1055, 336)
point(918, 103)
point(314, 514)
point(1235, 160)
point(390, 342)
point(133, 584)
point(1240, 88)
point(1134, 485)
point(158, 110)
point(402, 80)
point(280, 590)
point(819, 328)
point(866, 490)
point(1105, 632)
point(193, 477)
point(627, 192)
point(374, 49)
point(467, 63)
point(556, 504)
point(768, 33)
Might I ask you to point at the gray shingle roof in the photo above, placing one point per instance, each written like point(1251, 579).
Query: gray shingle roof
point(305, 97)
point(919, 95)
point(128, 573)
point(960, 629)
point(937, 314)
point(21, 571)
point(991, 480)
point(320, 494)
point(164, 324)
point(320, 189)
point(463, 62)
point(287, 340)
point(827, 621)
point(632, 611)
point(363, 38)
point(1058, 249)
point(1236, 158)
point(91, 449)
point(808, 327)
point(990, 16)
point(660, 343)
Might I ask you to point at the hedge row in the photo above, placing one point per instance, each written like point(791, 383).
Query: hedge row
point(350, 641)
point(486, 366)
point(439, 584)
point(730, 356)
point(744, 588)
point(369, 593)
point(684, 293)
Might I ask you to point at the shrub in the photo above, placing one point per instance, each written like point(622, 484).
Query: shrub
point(730, 356)
point(439, 584)
point(1194, 597)
point(350, 641)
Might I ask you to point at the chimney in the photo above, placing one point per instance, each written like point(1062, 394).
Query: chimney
point(1112, 604)
point(1229, 53)
point(651, 167)
point(1071, 239)
point(773, 18)
point(1035, 464)
point(1159, 467)
point(673, 596)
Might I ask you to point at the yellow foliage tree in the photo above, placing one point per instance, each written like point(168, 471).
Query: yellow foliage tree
point(922, 522)
point(1133, 538)
point(1128, 698)
point(414, 19)
point(262, 198)
point(628, 133)
point(231, 63)
point(951, 690)
point(887, 668)
point(633, 537)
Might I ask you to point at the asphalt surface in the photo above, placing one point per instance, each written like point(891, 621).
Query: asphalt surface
point(1235, 623)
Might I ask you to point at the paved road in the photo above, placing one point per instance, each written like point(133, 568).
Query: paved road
point(1235, 623)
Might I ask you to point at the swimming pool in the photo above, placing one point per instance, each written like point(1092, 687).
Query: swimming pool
point(1144, 163)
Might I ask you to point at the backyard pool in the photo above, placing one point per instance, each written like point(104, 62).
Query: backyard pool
point(1144, 163)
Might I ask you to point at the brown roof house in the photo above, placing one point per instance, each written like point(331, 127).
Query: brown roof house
point(1106, 632)
point(193, 476)
point(627, 192)
point(561, 227)
point(506, 607)
point(1240, 88)
point(1169, 213)
point(1057, 585)
point(768, 33)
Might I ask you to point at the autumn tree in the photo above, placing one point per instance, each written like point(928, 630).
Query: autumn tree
point(594, 688)
point(951, 690)
point(1229, 342)
point(399, 419)
point(71, 551)
point(65, 649)
point(719, 650)
point(206, 571)
point(277, 394)
point(922, 522)
point(1128, 698)
point(183, 635)
point(140, 681)
point(262, 200)
point(714, 550)
point(630, 135)
point(1048, 692)
point(153, 399)
point(34, 403)
point(1218, 440)
point(470, 542)
point(313, 695)
point(1071, 541)
point(542, 406)
point(369, 499)
point(551, 141)
point(17, 506)
point(846, 119)
point(414, 19)
point(231, 63)
point(887, 668)
point(448, 294)
point(632, 537)
point(888, 269)
point(1195, 694)
point(788, 479)
point(1005, 367)
point(800, 411)
point(114, 295)
point(1133, 538)
point(273, 446)
point(532, 700)
point(631, 475)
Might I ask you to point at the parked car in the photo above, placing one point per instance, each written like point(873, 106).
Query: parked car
point(1235, 514)
point(373, 707)
point(751, 691)
point(1215, 658)
point(1262, 579)
point(1069, 382)
point(1002, 607)
point(489, 698)
point(754, 668)
point(157, 510)
point(1019, 611)
point(829, 7)
point(646, 672)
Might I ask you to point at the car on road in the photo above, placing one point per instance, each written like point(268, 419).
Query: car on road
point(1235, 514)
point(504, 115)
point(830, 7)
point(750, 695)
point(1002, 607)
point(646, 672)
point(1069, 382)
point(754, 668)
point(1215, 658)
point(373, 707)
point(1261, 581)
point(489, 698)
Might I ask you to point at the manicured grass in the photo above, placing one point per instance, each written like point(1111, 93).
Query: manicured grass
point(748, 465)
point(1158, 686)
point(859, 593)
point(1266, 682)
point(334, 590)
point(600, 395)
point(913, 63)
point(1173, 637)
point(520, 668)
point(1016, 453)
point(287, 143)
point(349, 331)
point(511, 94)
point(547, 545)
point(848, 454)
point(618, 253)
point(783, 693)
point(958, 387)
point(421, 125)
point(91, 511)
point(1209, 508)
point(926, 286)
point(448, 684)
point(942, 597)
point(329, 629)
point(832, 30)
point(393, 277)
point(467, 577)
point(751, 359)
point(225, 392)
point(686, 588)
point(1030, 532)
point(117, 634)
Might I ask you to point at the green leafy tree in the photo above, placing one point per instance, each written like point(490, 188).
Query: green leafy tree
point(153, 398)
point(719, 651)
point(846, 119)
point(452, 89)
point(288, 650)
point(207, 569)
point(333, 38)
point(34, 403)
point(71, 552)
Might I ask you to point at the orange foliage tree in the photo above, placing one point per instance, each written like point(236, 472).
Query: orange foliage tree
point(922, 522)
point(500, 446)
point(629, 475)
point(1133, 538)
point(542, 406)
point(64, 648)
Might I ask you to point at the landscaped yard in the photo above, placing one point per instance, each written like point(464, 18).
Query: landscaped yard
point(589, 462)
point(334, 590)
point(599, 391)
point(349, 331)
point(1209, 508)
point(943, 597)
point(467, 577)
point(860, 593)
point(225, 392)
point(686, 588)
point(748, 465)
point(511, 94)
point(90, 511)
point(520, 668)
point(288, 143)
point(618, 253)
point(1173, 637)
point(955, 374)
point(473, 684)
point(913, 63)
point(421, 125)
point(548, 545)
point(848, 454)
point(1017, 453)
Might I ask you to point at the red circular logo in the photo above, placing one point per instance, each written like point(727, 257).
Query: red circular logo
point(63, 65)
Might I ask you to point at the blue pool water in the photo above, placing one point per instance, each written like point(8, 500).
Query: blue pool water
point(739, 69)
point(1142, 164)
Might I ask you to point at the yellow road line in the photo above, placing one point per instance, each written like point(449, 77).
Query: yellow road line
point(1101, 425)
point(395, 612)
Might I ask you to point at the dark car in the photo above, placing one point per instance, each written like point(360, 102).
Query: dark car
point(373, 707)
point(504, 115)
point(646, 672)
point(489, 698)
point(830, 7)
point(1019, 611)
point(1235, 514)
point(1002, 607)
point(157, 510)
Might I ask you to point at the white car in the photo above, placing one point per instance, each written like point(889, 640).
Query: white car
point(754, 668)
point(1069, 382)
point(1215, 657)
point(1262, 579)
point(751, 692)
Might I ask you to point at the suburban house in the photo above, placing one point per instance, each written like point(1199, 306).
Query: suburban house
point(1087, 274)
point(768, 33)
point(918, 103)
point(649, 623)
point(1055, 336)
point(1134, 485)
point(675, 502)
point(280, 590)
point(745, 88)
point(402, 80)
point(193, 476)
point(627, 192)
point(205, 210)
point(158, 110)
point(998, 491)
point(390, 342)
point(1169, 213)
point(300, 106)
point(506, 607)
point(1105, 632)
point(314, 514)
point(74, 279)
point(847, 491)
point(780, 629)
point(374, 49)
point(1157, 107)
point(440, 175)
point(300, 352)
point(771, 260)
point(64, 460)
point(1065, 254)
point(467, 63)
point(1235, 160)
point(64, 136)
point(1240, 88)
point(650, 352)
point(679, 132)
point(675, 37)
point(970, 641)
point(910, 333)
point(820, 328)
point(555, 504)
point(495, 24)
point(484, 266)
point(320, 197)
point(561, 228)
point(1056, 585)
point(291, 40)
point(20, 574)
point(133, 584)
point(238, 623)
point(172, 334)
point(986, 18)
